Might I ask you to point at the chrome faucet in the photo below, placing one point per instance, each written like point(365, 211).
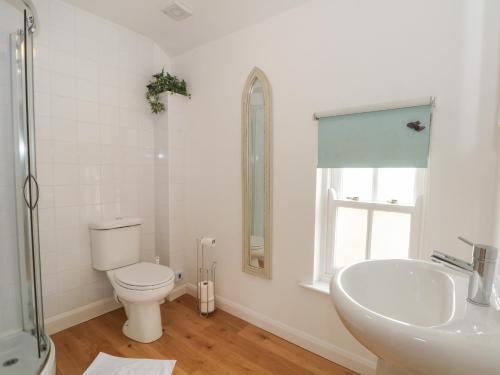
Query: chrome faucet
point(481, 270)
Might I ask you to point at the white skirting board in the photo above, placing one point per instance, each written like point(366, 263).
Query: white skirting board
point(300, 338)
point(81, 314)
point(177, 292)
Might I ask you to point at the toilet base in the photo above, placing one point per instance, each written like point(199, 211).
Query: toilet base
point(144, 321)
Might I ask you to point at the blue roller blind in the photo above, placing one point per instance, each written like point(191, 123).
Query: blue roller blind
point(379, 139)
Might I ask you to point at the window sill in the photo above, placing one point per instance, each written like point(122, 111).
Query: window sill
point(318, 286)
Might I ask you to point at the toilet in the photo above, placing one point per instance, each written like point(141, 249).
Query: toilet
point(139, 286)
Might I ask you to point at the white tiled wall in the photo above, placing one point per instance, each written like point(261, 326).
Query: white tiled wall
point(95, 144)
point(10, 295)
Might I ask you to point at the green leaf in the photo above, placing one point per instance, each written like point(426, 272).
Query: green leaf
point(164, 82)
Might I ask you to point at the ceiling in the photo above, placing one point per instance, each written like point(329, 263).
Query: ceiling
point(211, 19)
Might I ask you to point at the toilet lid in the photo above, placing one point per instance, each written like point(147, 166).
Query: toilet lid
point(144, 275)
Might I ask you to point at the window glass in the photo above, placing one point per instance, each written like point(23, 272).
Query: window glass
point(396, 184)
point(357, 182)
point(350, 236)
point(390, 235)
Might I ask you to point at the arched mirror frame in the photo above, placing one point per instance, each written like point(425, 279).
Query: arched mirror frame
point(264, 272)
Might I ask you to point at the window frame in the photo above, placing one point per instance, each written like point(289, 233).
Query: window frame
point(327, 202)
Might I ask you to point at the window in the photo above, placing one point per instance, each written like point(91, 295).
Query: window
point(366, 213)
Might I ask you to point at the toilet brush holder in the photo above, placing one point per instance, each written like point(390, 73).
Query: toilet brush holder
point(205, 279)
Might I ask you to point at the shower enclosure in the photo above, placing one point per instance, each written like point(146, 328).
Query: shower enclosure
point(24, 347)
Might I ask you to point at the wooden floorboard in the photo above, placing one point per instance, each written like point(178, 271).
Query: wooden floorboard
point(221, 344)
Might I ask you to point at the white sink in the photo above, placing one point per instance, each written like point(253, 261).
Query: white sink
point(414, 316)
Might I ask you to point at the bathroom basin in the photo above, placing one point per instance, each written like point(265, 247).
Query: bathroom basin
point(415, 317)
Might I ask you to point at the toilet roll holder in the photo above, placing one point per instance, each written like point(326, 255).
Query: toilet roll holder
point(205, 277)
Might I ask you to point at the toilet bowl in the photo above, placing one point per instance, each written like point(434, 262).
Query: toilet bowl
point(139, 286)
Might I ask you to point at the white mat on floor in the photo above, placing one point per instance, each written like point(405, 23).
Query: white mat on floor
point(106, 364)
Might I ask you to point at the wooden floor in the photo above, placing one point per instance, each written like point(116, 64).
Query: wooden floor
point(220, 344)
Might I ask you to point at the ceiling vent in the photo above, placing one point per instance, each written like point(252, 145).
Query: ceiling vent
point(177, 10)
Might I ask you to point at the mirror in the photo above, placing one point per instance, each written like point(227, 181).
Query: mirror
point(256, 160)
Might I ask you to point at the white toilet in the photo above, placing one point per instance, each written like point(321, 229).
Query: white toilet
point(139, 286)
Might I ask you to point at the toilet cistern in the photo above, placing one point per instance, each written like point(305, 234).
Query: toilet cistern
point(481, 270)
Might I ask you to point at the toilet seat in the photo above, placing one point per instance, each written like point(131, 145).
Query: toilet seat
point(144, 276)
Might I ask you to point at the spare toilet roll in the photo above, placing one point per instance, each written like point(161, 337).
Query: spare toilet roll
point(207, 306)
point(206, 290)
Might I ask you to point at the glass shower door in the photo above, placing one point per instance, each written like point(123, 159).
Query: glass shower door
point(24, 347)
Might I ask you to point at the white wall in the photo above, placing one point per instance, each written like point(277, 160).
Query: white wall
point(169, 175)
point(324, 55)
point(95, 144)
point(10, 293)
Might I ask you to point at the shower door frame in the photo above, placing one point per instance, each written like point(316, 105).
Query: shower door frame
point(27, 191)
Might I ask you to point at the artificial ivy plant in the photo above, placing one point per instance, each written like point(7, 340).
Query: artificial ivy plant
point(162, 83)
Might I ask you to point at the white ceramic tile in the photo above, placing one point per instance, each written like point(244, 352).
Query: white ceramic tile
point(90, 195)
point(46, 219)
point(50, 283)
point(87, 90)
point(66, 217)
point(43, 128)
point(96, 291)
point(89, 214)
point(45, 173)
point(89, 153)
point(44, 151)
point(146, 139)
point(109, 135)
point(62, 15)
point(88, 111)
point(108, 115)
point(90, 174)
point(87, 48)
point(62, 62)
point(109, 174)
point(110, 193)
point(89, 276)
point(87, 69)
point(63, 107)
point(49, 263)
point(50, 304)
point(46, 197)
point(110, 211)
point(67, 240)
point(128, 137)
point(41, 56)
point(63, 85)
point(47, 241)
point(43, 105)
point(63, 130)
point(65, 196)
point(88, 132)
point(111, 154)
point(65, 152)
point(109, 95)
point(61, 40)
point(108, 75)
point(128, 118)
point(70, 299)
point(42, 78)
point(66, 174)
point(69, 279)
